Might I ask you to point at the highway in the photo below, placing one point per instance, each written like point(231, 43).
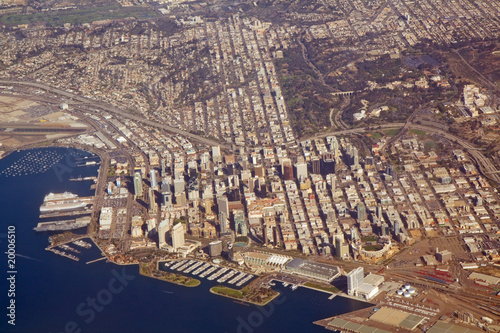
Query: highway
point(485, 165)
point(116, 111)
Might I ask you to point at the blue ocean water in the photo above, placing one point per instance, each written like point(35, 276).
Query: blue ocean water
point(56, 294)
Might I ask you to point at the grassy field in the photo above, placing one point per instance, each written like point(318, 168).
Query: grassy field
point(192, 283)
point(374, 135)
point(391, 132)
point(79, 16)
point(227, 292)
point(418, 132)
point(330, 289)
point(373, 247)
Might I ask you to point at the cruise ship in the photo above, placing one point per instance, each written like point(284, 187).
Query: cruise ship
point(58, 202)
point(59, 196)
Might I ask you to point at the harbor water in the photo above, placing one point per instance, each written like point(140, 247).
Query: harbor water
point(57, 294)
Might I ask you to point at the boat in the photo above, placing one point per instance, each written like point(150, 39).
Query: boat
point(56, 202)
point(59, 196)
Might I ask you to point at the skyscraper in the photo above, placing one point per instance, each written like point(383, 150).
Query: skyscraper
point(162, 230)
point(179, 185)
point(285, 162)
point(301, 170)
point(315, 165)
point(361, 208)
point(153, 206)
point(385, 229)
point(154, 181)
point(167, 195)
point(177, 236)
point(341, 247)
point(239, 222)
point(223, 205)
point(354, 279)
point(215, 248)
point(223, 223)
point(327, 166)
point(137, 184)
point(396, 228)
point(163, 168)
point(287, 172)
point(216, 157)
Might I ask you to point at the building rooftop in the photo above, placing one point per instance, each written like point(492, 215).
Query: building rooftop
point(313, 267)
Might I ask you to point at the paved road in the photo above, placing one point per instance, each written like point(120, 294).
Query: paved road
point(116, 111)
point(484, 163)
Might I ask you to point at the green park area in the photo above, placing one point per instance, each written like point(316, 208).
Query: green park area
point(227, 292)
point(80, 15)
point(391, 132)
point(418, 132)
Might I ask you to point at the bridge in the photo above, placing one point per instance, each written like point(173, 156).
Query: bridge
point(342, 93)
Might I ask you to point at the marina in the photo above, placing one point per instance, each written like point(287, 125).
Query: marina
point(191, 268)
point(57, 277)
point(245, 280)
point(227, 276)
point(217, 274)
point(82, 243)
point(64, 254)
point(69, 248)
point(32, 163)
point(201, 269)
point(183, 267)
point(237, 277)
point(209, 271)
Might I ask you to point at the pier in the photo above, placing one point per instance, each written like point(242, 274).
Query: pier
point(64, 254)
point(95, 260)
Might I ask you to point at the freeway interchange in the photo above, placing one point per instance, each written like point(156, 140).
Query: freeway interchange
point(485, 165)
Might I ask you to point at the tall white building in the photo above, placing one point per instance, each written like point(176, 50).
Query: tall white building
point(179, 185)
point(216, 156)
point(162, 230)
point(177, 236)
point(354, 280)
point(301, 170)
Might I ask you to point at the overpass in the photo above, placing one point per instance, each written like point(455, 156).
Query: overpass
point(485, 164)
point(342, 93)
point(116, 111)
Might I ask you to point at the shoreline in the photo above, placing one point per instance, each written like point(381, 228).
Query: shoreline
point(89, 149)
point(327, 292)
point(164, 280)
point(243, 300)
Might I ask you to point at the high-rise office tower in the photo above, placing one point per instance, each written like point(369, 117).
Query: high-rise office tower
point(361, 209)
point(223, 223)
point(301, 170)
point(315, 165)
point(354, 280)
point(154, 181)
point(177, 236)
point(137, 184)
